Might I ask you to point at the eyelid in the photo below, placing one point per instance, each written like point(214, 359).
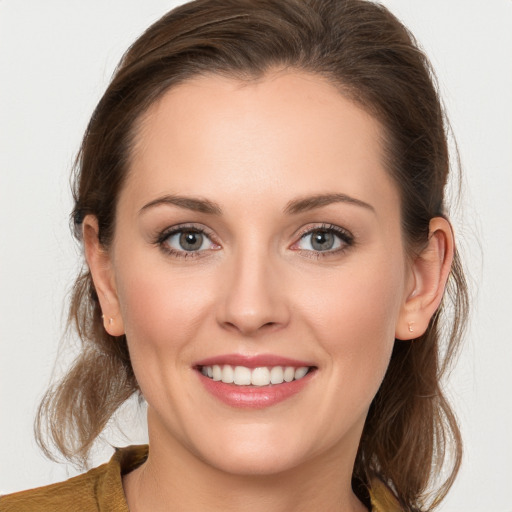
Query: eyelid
point(346, 237)
point(324, 227)
point(163, 235)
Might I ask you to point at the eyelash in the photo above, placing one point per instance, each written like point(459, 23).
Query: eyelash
point(347, 240)
point(164, 236)
point(345, 236)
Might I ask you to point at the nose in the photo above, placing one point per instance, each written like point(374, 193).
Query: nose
point(254, 295)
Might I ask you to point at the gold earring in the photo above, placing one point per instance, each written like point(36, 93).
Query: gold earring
point(110, 320)
point(410, 327)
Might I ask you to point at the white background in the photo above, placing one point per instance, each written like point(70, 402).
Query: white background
point(56, 57)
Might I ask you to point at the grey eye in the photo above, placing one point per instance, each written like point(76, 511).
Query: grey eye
point(191, 240)
point(188, 240)
point(321, 240)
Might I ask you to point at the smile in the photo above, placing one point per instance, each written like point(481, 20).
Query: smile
point(260, 376)
point(254, 382)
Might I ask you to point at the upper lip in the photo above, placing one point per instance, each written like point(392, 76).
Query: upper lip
point(255, 361)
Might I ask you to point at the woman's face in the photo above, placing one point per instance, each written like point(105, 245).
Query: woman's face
point(257, 237)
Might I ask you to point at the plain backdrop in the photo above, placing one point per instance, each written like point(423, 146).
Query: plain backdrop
point(56, 57)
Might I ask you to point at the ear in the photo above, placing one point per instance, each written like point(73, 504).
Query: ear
point(429, 274)
point(100, 265)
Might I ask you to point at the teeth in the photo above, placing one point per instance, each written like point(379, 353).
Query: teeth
point(289, 373)
point(276, 375)
point(300, 372)
point(227, 374)
point(242, 376)
point(261, 376)
point(216, 372)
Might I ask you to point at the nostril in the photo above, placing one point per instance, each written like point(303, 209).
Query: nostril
point(248, 327)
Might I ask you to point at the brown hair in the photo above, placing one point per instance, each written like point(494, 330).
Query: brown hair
point(372, 58)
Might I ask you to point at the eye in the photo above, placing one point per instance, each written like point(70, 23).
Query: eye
point(185, 241)
point(324, 239)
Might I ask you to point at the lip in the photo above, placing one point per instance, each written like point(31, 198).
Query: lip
point(255, 361)
point(253, 397)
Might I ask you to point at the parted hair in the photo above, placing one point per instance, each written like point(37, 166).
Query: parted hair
point(365, 51)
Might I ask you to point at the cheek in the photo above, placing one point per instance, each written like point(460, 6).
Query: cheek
point(161, 311)
point(360, 300)
point(355, 318)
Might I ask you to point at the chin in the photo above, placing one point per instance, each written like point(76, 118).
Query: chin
point(250, 450)
point(256, 462)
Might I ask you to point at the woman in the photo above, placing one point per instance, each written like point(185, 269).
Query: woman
point(260, 198)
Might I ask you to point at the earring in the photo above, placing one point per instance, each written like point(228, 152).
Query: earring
point(410, 327)
point(110, 320)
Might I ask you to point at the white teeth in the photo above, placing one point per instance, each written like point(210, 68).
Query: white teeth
point(289, 373)
point(301, 372)
point(216, 372)
point(227, 374)
point(277, 375)
point(261, 376)
point(242, 376)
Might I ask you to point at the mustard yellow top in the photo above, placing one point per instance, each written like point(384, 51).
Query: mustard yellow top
point(101, 490)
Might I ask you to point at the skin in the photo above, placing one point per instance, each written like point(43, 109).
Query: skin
point(257, 286)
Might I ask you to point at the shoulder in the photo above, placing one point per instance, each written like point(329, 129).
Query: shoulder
point(100, 489)
point(79, 491)
point(382, 497)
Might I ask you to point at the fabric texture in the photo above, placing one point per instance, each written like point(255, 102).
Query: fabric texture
point(101, 490)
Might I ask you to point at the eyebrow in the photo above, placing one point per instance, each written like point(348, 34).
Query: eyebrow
point(317, 201)
point(190, 203)
point(292, 208)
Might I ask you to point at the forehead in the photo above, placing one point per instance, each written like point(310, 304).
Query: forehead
point(287, 134)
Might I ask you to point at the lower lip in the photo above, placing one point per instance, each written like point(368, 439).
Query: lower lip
point(254, 397)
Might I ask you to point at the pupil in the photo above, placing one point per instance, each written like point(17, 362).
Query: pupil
point(322, 240)
point(191, 241)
